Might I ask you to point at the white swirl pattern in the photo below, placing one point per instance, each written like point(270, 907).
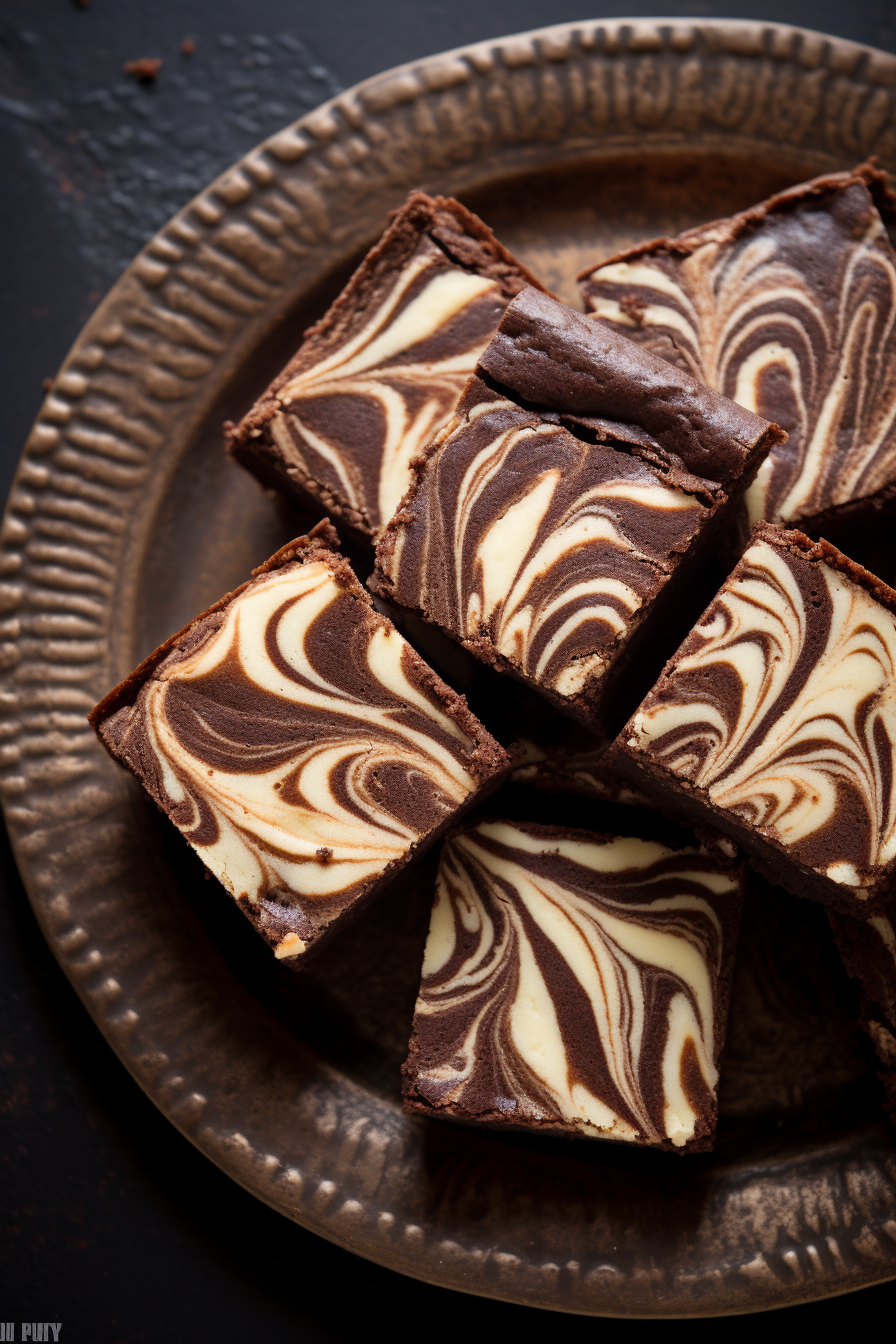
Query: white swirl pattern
point(793, 317)
point(300, 805)
point(636, 930)
point(540, 543)
point(415, 395)
point(782, 706)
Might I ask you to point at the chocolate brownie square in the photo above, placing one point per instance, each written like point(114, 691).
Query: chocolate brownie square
point(776, 721)
point(382, 371)
point(299, 744)
point(788, 308)
point(575, 983)
point(563, 521)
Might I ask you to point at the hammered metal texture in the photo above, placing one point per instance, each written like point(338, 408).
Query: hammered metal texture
point(123, 521)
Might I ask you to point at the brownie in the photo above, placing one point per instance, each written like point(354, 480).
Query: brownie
point(575, 983)
point(382, 371)
point(563, 518)
point(789, 309)
point(868, 949)
point(299, 744)
point(776, 721)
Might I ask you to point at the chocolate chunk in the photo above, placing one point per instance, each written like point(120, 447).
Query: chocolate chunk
point(544, 540)
point(381, 373)
point(776, 721)
point(300, 745)
point(868, 948)
point(575, 983)
point(789, 309)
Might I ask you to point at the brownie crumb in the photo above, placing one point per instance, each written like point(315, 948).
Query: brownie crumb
point(325, 854)
point(187, 47)
point(146, 69)
point(46, 384)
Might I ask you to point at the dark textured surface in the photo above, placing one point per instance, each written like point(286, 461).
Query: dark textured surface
point(117, 1226)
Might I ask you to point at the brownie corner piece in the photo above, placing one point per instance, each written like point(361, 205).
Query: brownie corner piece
point(377, 377)
point(575, 984)
point(299, 744)
point(788, 307)
point(776, 721)
point(563, 517)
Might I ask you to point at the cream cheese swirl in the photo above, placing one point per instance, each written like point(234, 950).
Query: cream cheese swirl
point(574, 981)
point(789, 310)
point(523, 539)
point(781, 705)
point(301, 746)
point(354, 420)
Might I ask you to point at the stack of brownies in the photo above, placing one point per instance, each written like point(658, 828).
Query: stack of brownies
point(565, 496)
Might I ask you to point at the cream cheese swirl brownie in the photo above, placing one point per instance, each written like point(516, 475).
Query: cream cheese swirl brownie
point(568, 505)
point(790, 310)
point(776, 720)
point(575, 983)
point(299, 744)
point(382, 372)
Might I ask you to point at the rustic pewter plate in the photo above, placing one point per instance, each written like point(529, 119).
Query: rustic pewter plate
point(125, 521)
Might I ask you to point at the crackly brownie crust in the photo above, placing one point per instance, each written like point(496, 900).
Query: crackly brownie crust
point(322, 430)
point(498, 940)
point(776, 721)
point(305, 751)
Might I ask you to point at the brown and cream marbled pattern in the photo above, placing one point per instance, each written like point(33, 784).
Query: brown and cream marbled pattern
point(299, 744)
point(780, 710)
point(566, 503)
point(575, 982)
point(537, 545)
point(790, 310)
point(382, 372)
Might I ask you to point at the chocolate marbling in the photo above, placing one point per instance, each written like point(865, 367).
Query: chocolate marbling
point(776, 719)
point(381, 373)
point(579, 477)
point(575, 983)
point(789, 309)
point(299, 744)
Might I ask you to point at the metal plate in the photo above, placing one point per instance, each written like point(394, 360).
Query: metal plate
point(125, 521)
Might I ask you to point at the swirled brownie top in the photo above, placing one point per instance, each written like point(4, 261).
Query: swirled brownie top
point(548, 519)
point(790, 310)
point(575, 983)
point(778, 714)
point(381, 373)
point(299, 744)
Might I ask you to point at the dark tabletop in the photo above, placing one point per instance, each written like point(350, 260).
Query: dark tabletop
point(112, 1224)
